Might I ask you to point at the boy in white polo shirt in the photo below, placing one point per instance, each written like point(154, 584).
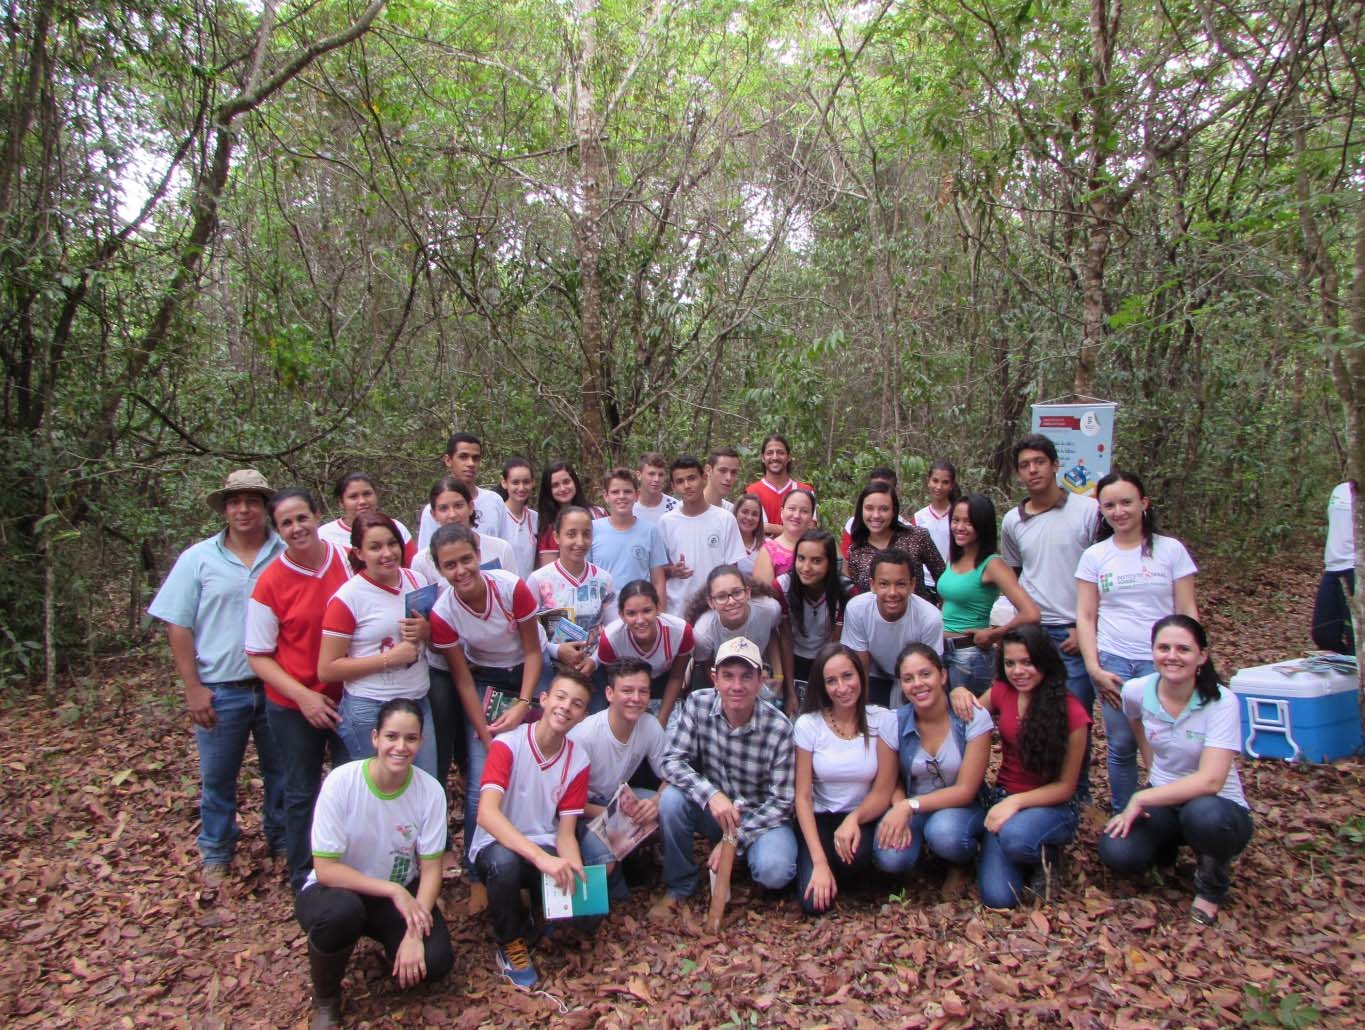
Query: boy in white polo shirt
point(535, 786)
point(697, 536)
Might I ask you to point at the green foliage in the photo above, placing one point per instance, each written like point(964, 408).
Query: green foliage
point(1264, 1007)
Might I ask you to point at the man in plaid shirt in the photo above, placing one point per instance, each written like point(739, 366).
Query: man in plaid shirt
point(731, 771)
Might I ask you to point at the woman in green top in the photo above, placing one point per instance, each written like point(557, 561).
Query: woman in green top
point(974, 578)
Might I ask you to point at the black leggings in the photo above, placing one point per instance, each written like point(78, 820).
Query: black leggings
point(335, 919)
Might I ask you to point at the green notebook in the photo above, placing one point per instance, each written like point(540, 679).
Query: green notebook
point(588, 899)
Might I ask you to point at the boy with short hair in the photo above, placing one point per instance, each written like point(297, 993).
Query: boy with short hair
point(880, 623)
point(628, 547)
point(697, 536)
point(653, 504)
point(535, 786)
point(722, 472)
point(462, 459)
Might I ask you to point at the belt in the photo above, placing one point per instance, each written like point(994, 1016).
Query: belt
point(250, 683)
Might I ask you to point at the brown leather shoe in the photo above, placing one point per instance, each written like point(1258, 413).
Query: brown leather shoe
point(663, 910)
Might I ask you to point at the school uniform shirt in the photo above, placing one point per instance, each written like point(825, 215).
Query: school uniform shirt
point(487, 503)
point(1046, 548)
point(1339, 552)
point(284, 618)
point(674, 638)
point(386, 836)
point(586, 596)
point(816, 628)
point(627, 554)
point(704, 541)
point(612, 762)
point(654, 514)
point(1135, 590)
point(842, 771)
point(773, 496)
point(521, 534)
point(491, 637)
point(758, 626)
point(535, 790)
point(866, 630)
point(338, 532)
point(1178, 742)
point(1013, 776)
point(368, 613)
point(936, 526)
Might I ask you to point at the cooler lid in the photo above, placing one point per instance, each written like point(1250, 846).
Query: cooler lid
point(1294, 678)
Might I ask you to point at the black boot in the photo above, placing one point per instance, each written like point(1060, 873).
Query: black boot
point(327, 969)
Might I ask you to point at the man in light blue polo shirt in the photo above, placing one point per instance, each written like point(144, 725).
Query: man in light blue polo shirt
point(203, 604)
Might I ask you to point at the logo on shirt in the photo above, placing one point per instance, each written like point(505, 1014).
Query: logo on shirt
point(713, 541)
point(639, 554)
point(404, 830)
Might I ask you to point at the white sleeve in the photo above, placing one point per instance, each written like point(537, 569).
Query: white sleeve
point(981, 725)
point(1224, 726)
point(855, 629)
point(262, 628)
point(703, 637)
point(431, 838)
point(806, 733)
point(1009, 549)
point(329, 836)
point(1179, 559)
point(658, 744)
point(888, 728)
point(733, 546)
point(1132, 697)
point(426, 526)
point(1088, 568)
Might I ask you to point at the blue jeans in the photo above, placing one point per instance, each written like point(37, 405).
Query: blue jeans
point(1078, 685)
point(1005, 856)
point(970, 666)
point(1215, 828)
point(1118, 732)
point(771, 858)
point(477, 753)
point(357, 722)
point(239, 711)
point(302, 748)
point(594, 851)
point(953, 834)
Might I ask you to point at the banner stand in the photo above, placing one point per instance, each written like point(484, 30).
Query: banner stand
point(1083, 433)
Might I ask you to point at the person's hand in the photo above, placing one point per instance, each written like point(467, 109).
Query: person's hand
point(410, 964)
point(895, 833)
point(645, 811)
point(417, 917)
point(1110, 687)
point(1070, 645)
point(415, 630)
point(562, 871)
point(986, 638)
point(403, 653)
point(725, 812)
point(680, 569)
point(846, 839)
point(1121, 824)
point(570, 652)
point(964, 702)
point(199, 701)
point(508, 720)
point(1000, 813)
point(320, 711)
point(822, 888)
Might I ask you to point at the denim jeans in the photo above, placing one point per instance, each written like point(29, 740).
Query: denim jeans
point(1078, 685)
point(953, 834)
point(506, 874)
point(477, 751)
point(1332, 629)
point(357, 722)
point(970, 666)
point(239, 713)
point(1120, 742)
point(1008, 854)
point(302, 748)
point(771, 858)
point(1216, 828)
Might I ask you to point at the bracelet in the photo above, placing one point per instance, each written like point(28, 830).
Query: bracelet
point(729, 838)
point(523, 701)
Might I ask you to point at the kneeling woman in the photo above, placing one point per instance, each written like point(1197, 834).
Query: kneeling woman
point(943, 760)
point(1189, 731)
point(845, 772)
point(378, 833)
point(1043, 731)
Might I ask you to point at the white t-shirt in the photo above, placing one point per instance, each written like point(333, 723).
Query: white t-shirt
point(1135, 590)
point(587, 595)
point(842, 771)
point(368, 613)
point(491, 637)
point(610, 762)
point(1046, 548)
point(936, 526)
point(487, 503)
point(385, 836)
point(710, 633)
point(666, 504)
point(673, 639)
point(522, 534)
point(1178, 743)
point(535, 792)
point(339, 533)
point(866, 630)
point(948, 761)
point(815, 630)
point(1339, 554)
point(704, 541)
point(494, 553)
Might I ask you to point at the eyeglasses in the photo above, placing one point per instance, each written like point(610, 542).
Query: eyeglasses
point(733, 595)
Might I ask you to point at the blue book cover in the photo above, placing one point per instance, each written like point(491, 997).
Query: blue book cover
point(589, 897)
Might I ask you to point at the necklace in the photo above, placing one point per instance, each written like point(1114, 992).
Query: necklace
point(838, 730)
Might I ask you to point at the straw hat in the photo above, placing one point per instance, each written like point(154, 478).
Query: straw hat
point(243, 481)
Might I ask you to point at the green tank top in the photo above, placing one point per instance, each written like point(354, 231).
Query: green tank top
point(967, 600)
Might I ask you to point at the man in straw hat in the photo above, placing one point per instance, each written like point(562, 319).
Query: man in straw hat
point(203, 604)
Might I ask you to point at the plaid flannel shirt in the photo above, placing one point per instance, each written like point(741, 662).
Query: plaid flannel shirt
point(753, 765)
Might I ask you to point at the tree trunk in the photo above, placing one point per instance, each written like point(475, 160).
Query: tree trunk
point(1348, 369)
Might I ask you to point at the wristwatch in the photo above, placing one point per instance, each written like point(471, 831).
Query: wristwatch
point(912, 804)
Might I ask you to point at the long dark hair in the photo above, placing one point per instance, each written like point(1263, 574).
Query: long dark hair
point(1206, 679)
point(546, 506)
point(366, 521)
point(832, 589)
point(451, 485)
point(1044, 731)
point(981, 514)
point(943, 465)
point(1103, 530)
point(817, 698)
point(859, 531)
point(700, 602)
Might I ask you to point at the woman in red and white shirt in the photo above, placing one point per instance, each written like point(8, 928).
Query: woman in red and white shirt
point(355, 492)
point(653, 636)
point(371, 644)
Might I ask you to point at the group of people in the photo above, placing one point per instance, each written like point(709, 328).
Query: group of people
point(825, 706)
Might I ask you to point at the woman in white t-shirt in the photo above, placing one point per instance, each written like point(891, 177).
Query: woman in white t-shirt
point(757, 564)
point(727, 608)
point(944, 494)
point(377, 835)
point(943, 761)
point(370, 642)
point(520, 522)
point(355, 492)
point(665, 642)
point(845, 773)
point(1125, 582)
point(1189, 730)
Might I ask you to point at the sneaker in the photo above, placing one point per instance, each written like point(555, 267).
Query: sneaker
point(514, 963)
point(663, 910)
point(213, 874)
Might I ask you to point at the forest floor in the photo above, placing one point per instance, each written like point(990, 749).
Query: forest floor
point(103, 921)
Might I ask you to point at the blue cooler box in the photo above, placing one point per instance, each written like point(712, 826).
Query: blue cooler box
point(1298, 713)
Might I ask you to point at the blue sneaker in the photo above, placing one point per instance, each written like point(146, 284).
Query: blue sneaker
point(514, 963)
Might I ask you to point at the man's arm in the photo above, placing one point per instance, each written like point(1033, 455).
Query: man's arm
point(677, 761)
point(776, 808)
point(198, 698)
